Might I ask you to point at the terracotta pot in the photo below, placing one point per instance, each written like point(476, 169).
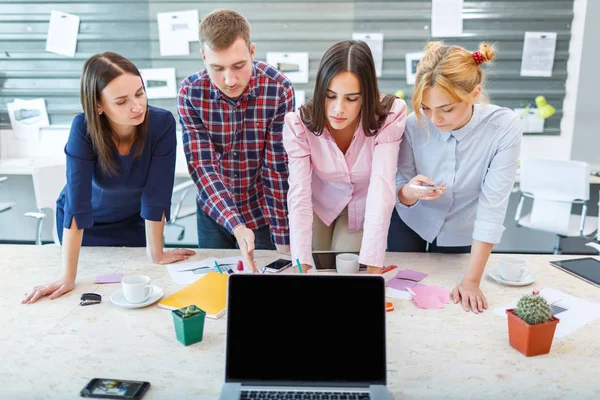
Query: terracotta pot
point(531, 340)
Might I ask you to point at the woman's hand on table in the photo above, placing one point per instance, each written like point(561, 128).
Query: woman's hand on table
point(470, 296)
point(55, 289)
point(305, 268)
point(175, 255)
point(374, 270)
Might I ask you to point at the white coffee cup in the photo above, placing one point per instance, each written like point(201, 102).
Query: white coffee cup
point(136, 289)
point(512, 268)
point(347, 263)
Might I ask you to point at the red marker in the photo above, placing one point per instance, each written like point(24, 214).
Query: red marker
point(240, 265)
point(388, 268)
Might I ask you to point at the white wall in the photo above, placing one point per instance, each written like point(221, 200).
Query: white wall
point(559, 147)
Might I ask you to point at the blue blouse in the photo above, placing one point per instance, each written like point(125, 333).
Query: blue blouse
point(143, 185)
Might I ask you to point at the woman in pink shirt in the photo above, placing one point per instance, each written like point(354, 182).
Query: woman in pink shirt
point(343, 149)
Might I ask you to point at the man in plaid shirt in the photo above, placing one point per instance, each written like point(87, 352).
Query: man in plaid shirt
point(232, 116)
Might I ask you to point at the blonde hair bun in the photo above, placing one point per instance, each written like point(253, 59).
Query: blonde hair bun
point(487, 51)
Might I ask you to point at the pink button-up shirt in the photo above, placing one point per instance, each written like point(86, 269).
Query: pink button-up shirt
point(324, 180)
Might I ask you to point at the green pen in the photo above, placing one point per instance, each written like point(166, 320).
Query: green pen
point(218, 268)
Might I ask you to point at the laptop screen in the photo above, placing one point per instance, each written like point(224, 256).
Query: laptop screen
point(306, 328)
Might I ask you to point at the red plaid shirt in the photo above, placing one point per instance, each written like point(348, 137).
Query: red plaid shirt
point(234, 149)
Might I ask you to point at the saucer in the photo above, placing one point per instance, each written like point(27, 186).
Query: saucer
point(118, 298)
point(527, 279)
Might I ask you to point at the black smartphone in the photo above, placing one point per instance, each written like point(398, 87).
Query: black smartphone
point(278, 266)
point(102, 388)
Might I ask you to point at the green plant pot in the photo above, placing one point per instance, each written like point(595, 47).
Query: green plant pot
point(188, 330)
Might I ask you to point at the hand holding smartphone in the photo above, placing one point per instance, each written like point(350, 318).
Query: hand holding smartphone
point(425, 187)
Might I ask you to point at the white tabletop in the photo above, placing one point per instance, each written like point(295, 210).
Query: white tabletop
point(53, 348)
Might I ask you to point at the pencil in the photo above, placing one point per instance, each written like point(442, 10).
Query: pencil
point(218, 268)
point(299, 266)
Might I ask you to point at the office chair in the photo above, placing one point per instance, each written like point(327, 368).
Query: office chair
point(554, 186)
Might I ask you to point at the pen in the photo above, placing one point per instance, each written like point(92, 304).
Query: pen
point(264, 270)
point(218, 268)
point(299, 266)
point(388, 268)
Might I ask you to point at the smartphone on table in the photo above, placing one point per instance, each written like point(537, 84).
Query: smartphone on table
point(278, 266)
point(102, 388)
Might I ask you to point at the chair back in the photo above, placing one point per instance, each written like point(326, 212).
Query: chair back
point(554, 185)
point(48, 182)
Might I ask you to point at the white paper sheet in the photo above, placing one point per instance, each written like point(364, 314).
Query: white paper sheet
point(188, 272)
point(538, 54)
point(531, 123)
point(579, 311)
point(176, 30)
point(446, 18)
point(397, 294)
point(412, 59)
point(300, 96)
point(160, 82)
point(62, 33)
point(293, 65)
point(27, 117)
point(375, 42)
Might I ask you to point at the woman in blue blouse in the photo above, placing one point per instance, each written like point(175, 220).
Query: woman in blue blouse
point(120, 171)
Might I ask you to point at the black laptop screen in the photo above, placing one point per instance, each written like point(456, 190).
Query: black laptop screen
point(306, 328)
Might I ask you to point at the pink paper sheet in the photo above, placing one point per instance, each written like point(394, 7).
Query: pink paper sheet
point(402, 284)
point(430, 296)
point(410, 275)
point(109, 278)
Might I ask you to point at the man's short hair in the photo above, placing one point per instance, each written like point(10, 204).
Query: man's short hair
point(222, 27)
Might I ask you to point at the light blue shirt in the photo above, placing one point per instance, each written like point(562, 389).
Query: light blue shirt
point(478, 163)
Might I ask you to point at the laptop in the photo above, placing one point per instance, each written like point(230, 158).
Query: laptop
point(306, 336)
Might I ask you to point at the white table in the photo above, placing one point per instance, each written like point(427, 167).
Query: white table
point(53, 348)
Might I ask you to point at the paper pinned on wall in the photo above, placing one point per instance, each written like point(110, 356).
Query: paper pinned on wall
point(412, 59)
point(446, 18)
point(160, 82)
point(300, 97)
point(62, 33)
point(538, 54)
point(375, 42)
point(531, 122)
point(27, 117)
point(176, 30)
point(293, 65)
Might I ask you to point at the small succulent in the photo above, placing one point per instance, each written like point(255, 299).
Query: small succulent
point(533, 309)
point(189, 311)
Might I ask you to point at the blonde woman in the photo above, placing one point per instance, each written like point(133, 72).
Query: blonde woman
point(468, 151)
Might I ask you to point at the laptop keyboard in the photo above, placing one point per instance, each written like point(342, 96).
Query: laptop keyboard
point(295, 395)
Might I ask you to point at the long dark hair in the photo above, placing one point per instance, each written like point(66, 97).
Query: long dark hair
point(98, 72)
point(348, 56)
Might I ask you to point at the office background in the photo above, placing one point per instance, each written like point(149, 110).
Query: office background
point(27, 71)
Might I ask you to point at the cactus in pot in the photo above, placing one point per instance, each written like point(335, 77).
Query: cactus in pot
point(531, 325)
point(533, 309)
